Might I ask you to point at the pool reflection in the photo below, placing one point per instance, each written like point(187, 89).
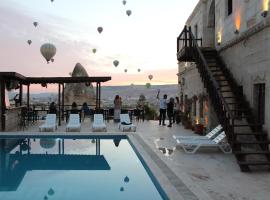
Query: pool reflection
point(16, 159)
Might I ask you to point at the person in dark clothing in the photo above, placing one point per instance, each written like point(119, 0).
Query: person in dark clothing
point(52, 108)
point(162, 108)
point(170, 107)
point(74, 108)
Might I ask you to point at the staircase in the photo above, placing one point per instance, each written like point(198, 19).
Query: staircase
point(249, 143)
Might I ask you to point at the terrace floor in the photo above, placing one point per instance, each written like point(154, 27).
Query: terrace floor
point(208, 174)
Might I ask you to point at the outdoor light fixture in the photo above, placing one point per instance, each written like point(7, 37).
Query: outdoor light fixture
point(264, 13)
point(219, 38)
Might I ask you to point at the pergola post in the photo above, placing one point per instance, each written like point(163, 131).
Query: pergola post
point(3, 105)
point(28, 97)
point(97, 95)
point(21, 94)
point(59, 104)
point(63, 101)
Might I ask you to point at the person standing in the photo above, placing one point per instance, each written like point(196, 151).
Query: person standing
point(170, 107)
point(117, 108)
point(162, 108)
point(52, 108)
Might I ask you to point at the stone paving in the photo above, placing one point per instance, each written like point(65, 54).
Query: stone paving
point(208, 174)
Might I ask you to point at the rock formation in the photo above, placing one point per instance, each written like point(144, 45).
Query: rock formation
point(80, 92)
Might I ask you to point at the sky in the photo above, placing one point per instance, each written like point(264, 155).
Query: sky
point(145, 40)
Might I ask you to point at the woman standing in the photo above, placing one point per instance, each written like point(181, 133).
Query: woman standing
point(117, 108)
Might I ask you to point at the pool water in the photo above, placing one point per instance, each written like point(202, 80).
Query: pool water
point(74, 169)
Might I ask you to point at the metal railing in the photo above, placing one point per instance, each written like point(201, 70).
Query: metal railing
point(187, 40)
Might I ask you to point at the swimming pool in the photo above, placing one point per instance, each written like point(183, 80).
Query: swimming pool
point(69, 168)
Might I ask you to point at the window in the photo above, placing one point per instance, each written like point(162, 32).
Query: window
point(229, 7)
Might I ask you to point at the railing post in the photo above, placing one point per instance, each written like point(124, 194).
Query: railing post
point(185, 36)
point(190, 38)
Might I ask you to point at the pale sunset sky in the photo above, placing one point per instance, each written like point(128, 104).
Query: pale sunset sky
point(145, 40)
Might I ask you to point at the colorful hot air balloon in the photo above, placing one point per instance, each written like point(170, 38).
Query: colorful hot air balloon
point(100, 29)
point(124, 2)
point(29, 42)
point(48, 51)
point(128, 12)
point(125, 70)
point(94, 50)
point(35, 24)
point(116, 63)
point(139, 70)
point(150, 77)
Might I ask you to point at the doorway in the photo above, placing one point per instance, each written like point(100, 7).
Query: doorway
point(259, 102)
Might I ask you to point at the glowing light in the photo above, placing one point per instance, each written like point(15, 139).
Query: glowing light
point(265, 5)
point(219, 37)
point(197, 120)
point(206, 121)
point(237, 21)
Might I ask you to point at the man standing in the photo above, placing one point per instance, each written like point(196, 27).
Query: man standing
point(162, 108)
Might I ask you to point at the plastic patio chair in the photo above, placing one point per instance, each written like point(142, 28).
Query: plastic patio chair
point(50, 124)
point(74, 124)
point(208, 136)
point(191, 146)
point(125, 123)
point(98, 124)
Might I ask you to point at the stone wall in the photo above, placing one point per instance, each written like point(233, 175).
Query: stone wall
point(249, 62)
point(246, 53)
point(12, 118)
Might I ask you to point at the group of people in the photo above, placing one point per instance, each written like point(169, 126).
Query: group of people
point(74, 109)
point(171, 107)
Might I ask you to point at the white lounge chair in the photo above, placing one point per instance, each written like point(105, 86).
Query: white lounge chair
point(191, 146)
point(50, 124)
point(125, 123)
point(99, 125)
point(74, 124)
point(208, 136)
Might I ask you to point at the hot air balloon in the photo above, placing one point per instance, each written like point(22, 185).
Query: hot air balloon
point(94, 50)
point(35, 24)
point(150, 77)
point(100, 29)
point(126, 70)
point(52, 60)
point(128, 12)
point(48, 51)
point(29, 42)
point(148, 85)
point(52, 0)
point(124, 2)
point(139, 70)
point(116, 63)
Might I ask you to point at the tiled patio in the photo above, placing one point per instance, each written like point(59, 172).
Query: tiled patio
point(208, 174)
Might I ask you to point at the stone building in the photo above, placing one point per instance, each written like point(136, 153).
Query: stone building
point(239, 30)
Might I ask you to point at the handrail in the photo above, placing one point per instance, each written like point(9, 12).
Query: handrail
point(216, 85)
point(193, 43)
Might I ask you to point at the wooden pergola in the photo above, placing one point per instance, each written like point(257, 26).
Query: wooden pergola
point(6, 77)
